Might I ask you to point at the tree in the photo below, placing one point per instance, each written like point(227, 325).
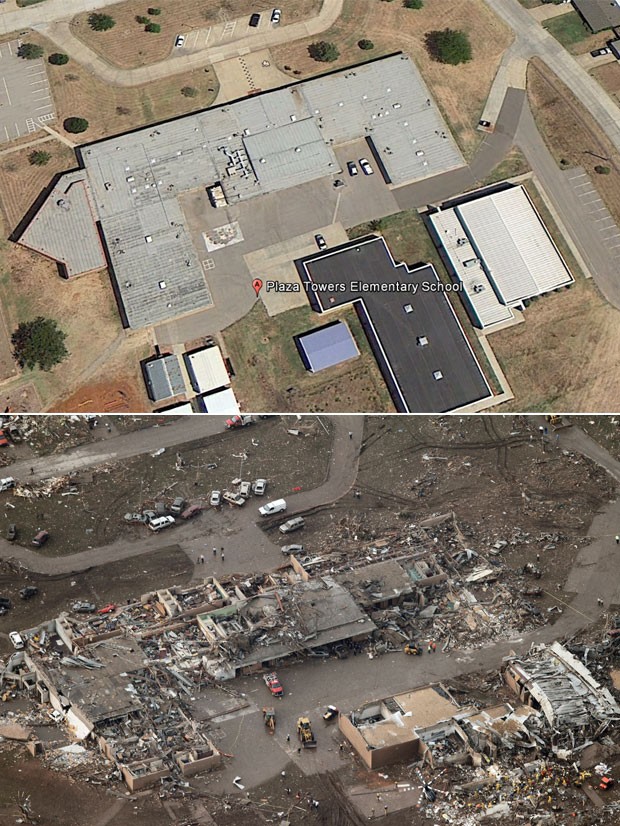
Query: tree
point(365, 44)
point(58, 59)
point(154, 12)
point(448, 46)
point(323, 51)
point(189, 92)
point(143, 21)
point(40, 343)
point(602, 170)
point(155, 28)
point(30, 51)
point(413, 4)
point(39, 158)
point(101, 22)
point(75, 125)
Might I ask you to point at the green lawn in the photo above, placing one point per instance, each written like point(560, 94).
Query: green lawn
point(568, 29)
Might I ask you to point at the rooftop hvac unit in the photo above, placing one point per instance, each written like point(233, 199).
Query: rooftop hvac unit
point(478, 288)
point(471, 262)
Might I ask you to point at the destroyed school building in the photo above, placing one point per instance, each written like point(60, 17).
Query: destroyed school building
point(561, 704)
point(125, 680)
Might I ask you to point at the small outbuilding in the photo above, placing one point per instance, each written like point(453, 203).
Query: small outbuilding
point(326, 346)
point(163, 378)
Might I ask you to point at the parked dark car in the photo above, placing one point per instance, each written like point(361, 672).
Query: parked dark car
point(254, 20)
point(28, 592)
point(11, 532)
point(5, 602)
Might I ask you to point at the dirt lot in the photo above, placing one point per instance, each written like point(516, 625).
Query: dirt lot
point(491, 471)
point(95, 516)
point(460, 91)
point(271, 376)
point(535, 355)
point(128, 45)
point(609, 78)
point(113, 109)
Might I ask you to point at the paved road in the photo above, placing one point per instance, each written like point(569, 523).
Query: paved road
point(534, 40)
point(181, 60)
point(583, 225)
point(312, 685)
point(248, 547)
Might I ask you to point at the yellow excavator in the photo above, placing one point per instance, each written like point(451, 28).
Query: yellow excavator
point(304, 732)
point(269, 716)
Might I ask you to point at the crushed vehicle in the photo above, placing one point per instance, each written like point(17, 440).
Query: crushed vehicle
point(28, 592)
point(84, 607)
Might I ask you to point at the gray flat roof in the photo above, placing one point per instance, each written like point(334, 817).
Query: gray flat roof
point(327, 346)
point(260, 144)
point(599, 14)
point(164, 378)
point(64, 228)
point(424, 355)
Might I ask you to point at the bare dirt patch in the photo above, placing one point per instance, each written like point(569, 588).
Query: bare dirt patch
point(128, 45)
point(460, 91)
point(270, 374)
point(609, 78)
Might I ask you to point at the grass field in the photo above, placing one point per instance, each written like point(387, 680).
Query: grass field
point(84, 308)
point(572, 135)
point(113, 109)
point(567, 354)
point(514, 164)
point(460, 91)
point(128, 45)
point(271, 376)
point(570, 30)
point(411, 243)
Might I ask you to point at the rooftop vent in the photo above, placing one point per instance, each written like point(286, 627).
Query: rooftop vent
point(437, 375)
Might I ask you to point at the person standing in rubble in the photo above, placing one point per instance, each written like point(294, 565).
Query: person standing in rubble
point(433, 646)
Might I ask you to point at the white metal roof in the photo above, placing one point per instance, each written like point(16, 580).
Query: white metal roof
point(468, 269)
point(223, 403)
point(207, 370)
point(510, 238)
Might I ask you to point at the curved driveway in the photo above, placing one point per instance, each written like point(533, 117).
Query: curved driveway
point(60, 33)
point(247, 546)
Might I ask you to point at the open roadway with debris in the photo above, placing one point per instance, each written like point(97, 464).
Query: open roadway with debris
point(513, 510)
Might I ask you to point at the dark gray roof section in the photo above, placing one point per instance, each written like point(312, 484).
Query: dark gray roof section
point(164, 378)
point(424, 355)
point(599, 14)
point(64, 228)
point(327, 346)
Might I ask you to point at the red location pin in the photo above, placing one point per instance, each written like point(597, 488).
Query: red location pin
point(258, 286)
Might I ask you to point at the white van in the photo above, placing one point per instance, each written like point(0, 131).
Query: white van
point(161, 522)
point(277, 506)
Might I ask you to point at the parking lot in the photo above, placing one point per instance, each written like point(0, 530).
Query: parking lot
point(25, 98)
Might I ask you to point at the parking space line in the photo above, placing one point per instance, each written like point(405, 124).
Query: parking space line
point(604, 218)
point(6, 89)
point(34, 82)
point(6, 132)
point(49, 106)
point(10, 49)
point(17, 130)
point(42, 97)
point(208, 35)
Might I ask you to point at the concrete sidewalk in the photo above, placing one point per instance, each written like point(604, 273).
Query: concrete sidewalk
point(60, 34)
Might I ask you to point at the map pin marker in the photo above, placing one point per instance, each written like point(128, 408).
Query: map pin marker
point(258, 285)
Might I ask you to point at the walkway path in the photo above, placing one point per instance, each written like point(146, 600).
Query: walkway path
point(239, 526)
point(535, 41)
point(178, 61)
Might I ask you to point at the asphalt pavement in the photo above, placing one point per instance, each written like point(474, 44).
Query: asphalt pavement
point(247, 546)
